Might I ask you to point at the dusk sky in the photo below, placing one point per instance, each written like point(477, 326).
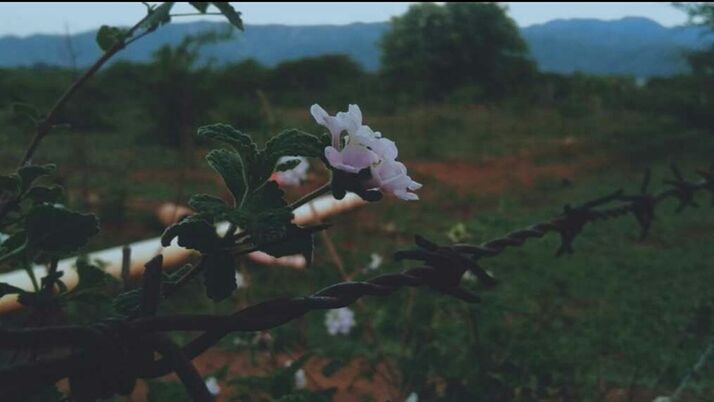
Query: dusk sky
point(28, 18)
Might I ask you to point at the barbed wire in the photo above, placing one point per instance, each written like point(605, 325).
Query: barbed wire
point(108, 357)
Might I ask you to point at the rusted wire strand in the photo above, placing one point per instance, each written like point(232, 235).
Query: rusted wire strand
point(442, 270)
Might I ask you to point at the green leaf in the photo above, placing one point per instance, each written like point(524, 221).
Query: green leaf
point(230, 13)
point(295, 240)
point(193, 232)
point(244, 145)
point(158, 16)
point(28, 174)
point(228, 135)
point(91, 276)
point(108, 37)
point(219, 275)
point(264, 214)
point(293, 143)
point(228, 165)
point(201, 6)
point(287, 165)
point(13, 242)
point(171, 278)
point(209, 205)
point(57, 231)
point(7, 289)
point(45, 194)
point(269, 196)
point(127, 303)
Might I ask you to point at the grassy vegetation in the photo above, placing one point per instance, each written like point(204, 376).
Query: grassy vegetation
point(620, 315)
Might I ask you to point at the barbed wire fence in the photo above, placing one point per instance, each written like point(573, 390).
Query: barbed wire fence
point(107, 358)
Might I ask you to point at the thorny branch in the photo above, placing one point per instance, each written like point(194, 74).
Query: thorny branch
point(114, 353)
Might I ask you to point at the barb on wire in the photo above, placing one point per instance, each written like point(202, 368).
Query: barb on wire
point(108, 357)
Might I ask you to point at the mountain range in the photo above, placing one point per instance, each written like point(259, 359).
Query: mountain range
point(630, 46)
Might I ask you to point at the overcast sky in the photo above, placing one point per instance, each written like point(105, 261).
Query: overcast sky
point(28, 18)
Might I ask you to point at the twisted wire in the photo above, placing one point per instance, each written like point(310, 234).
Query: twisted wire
point(132, 340)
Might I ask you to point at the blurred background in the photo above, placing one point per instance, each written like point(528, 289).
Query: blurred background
point(505, 112)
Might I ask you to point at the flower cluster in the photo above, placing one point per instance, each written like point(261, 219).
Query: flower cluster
point(362, 149)
point(339, 321)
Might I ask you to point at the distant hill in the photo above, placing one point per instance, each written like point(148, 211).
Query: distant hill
point(632, 46)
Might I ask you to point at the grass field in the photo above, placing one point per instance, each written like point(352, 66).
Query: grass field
point(620, 320)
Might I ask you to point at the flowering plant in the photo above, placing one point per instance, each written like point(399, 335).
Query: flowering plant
point(363, 156)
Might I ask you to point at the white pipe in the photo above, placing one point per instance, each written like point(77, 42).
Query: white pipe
point(174, 255)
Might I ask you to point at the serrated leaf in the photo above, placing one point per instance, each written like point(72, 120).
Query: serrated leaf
point(293, 143)
point(230, 13)
point(228, 164)
point(109, 36)
point(287, 165)
point(45, 194)
point(245, 147)
point(219, 275)
point(230, 136)
point(295, 240)
point(127, 303)
point(57, 231)
point(28, 174)
point(158, 16)
point(194, 232)
point(209, 205)
point(267, 197)
point(200, 6)
point(91, 276)
point(264, 214)
point(173, 277)
point(13, 242)
point(7, 289)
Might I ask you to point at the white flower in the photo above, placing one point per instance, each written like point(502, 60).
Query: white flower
point(350, 121)
point(294, 176)
point(351, 159)
point(212, 386)
point(240, 281)
point(3, 237)
point(300, 379)
point(339, 321)
point(391, 176)
point(365, 148)
point(413, 397)
point(375, 262)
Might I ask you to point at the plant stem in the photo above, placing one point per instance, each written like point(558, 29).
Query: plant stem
point(45, 126)
point(324, 189)
point(12, 254)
